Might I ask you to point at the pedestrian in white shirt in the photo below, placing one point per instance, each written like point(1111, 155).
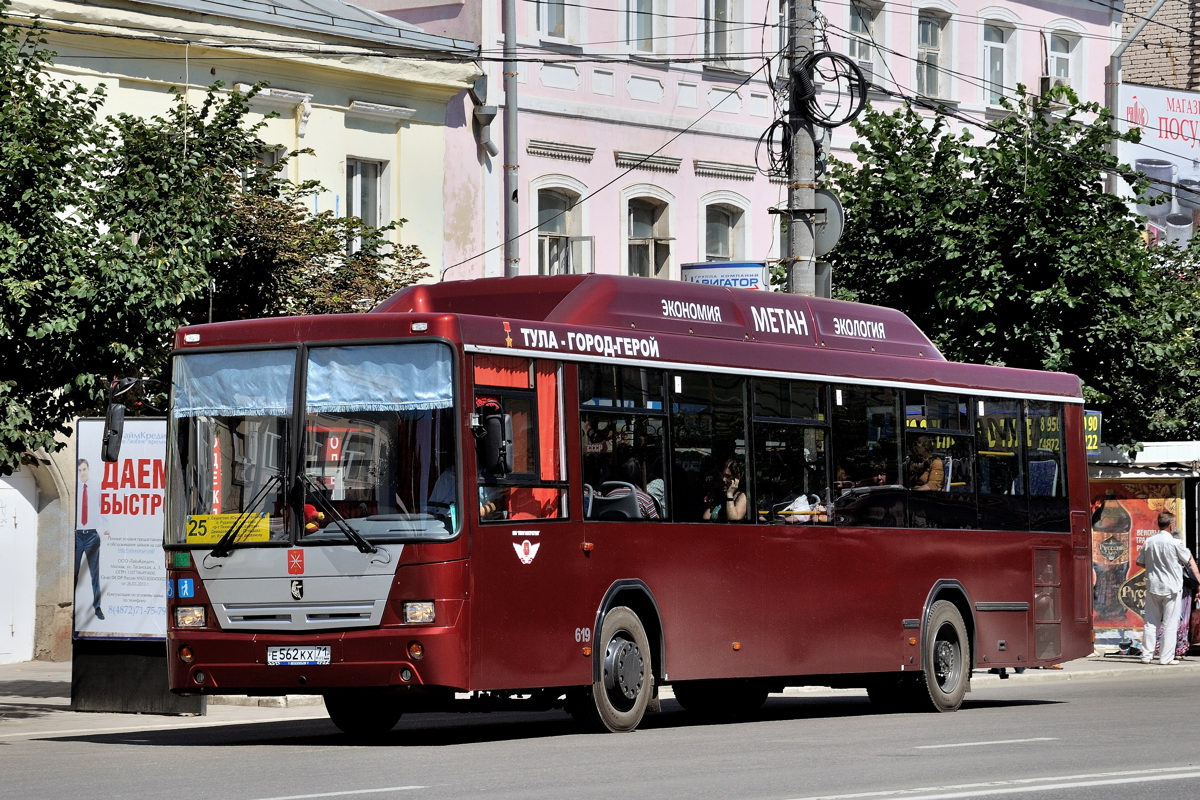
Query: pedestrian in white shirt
point(1163, 555)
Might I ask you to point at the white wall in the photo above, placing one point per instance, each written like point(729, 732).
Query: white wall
point(18, 558)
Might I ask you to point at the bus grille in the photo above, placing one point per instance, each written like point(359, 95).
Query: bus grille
point(298, 616)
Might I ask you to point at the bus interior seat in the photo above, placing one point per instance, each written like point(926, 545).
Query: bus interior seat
point(1043, 475)
point(622, 505)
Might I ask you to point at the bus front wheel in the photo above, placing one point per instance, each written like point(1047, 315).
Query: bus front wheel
point(618, 701)
point(363, 713)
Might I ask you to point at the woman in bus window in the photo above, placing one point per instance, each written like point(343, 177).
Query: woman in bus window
point(729, 503)
point(926, 470)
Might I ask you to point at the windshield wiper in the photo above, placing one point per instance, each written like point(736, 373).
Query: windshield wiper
point(225, 545)
point(316, 491)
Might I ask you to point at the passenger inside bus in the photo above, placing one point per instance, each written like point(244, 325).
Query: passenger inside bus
point(656, 487)
point(727, 501)
point(926, 470)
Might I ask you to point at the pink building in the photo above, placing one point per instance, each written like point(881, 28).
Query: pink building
point(649, 130)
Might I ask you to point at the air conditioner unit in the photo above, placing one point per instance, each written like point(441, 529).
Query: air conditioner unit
point(868, 71)
point(1049, 82)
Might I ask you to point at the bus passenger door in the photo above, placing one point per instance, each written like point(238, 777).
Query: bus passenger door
point(526, 560)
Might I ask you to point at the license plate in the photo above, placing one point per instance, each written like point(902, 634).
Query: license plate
point(298, 656)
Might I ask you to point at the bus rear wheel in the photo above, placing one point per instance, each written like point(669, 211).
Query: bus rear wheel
point(361, 713)
point(618, 701)
point(946, 653)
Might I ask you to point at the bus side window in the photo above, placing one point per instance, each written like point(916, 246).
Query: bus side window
point(939, 470)
point(526, 479)
point(709, 424)
point(1001, 497)
point(791, 465)
point(623, 456)
point(1049, 509)
point(623, 442)
point(866, 457)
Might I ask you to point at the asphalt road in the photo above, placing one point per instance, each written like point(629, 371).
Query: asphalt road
point(1126, 735)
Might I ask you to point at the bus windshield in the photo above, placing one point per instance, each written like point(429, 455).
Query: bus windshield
point(370, 456)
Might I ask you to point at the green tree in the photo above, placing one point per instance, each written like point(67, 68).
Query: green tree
point(122, 230)
point(50, 280)
point(1009, 251)
point(200, 191)
point(290, 261)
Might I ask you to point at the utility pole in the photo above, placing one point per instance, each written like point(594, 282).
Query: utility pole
point(512, 228)
point(799, 255)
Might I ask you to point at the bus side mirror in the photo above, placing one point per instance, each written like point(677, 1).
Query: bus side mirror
point(114, 429)
point(495, 445)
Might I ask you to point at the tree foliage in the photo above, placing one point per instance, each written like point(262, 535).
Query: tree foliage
point(120, 230)
point(51, 282)
point(1009, 251)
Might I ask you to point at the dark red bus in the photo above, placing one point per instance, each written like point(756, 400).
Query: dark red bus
point(572, 491)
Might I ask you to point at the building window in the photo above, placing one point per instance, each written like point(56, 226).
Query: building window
point(863, 37)
point(552, 18)
point(931, 51)
point(556, 223)
point(721, 33)
point(1062, 58)
point(723, 233)
point(641, 19)
point(364, 191)
point(784, 29)
point(649, 242)
point(995, 61)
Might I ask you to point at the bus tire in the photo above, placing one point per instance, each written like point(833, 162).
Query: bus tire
point(618, 701)
point(946, 655)
point(363, 713)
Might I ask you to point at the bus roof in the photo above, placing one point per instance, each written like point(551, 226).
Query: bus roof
point(678, 325)
point(673, 307)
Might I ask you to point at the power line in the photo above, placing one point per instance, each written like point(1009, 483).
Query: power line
point(316, 50)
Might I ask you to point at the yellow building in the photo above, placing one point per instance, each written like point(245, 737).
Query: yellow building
point(369, 94)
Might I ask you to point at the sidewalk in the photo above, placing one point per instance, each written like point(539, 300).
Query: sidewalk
point(48, 683)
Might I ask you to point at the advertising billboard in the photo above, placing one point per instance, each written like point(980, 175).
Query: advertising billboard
point(1124, 516)
point(731, 274)
point(1169, 154)
point(120, 578)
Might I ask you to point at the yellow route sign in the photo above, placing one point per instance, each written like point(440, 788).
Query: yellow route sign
point(211, 528)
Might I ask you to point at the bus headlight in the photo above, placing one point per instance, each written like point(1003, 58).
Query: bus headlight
point(419, 612)
point(190, 617)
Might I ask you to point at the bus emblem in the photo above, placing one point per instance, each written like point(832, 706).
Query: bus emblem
point(526, 551)
point(295, 561)
point(297, 589)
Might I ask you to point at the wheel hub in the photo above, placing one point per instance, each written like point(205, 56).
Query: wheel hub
point(623, 668)
point(945, 662)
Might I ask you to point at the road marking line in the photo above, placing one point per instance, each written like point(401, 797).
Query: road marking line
point(344, 794)
point(984, 744)
point(1017, 785)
